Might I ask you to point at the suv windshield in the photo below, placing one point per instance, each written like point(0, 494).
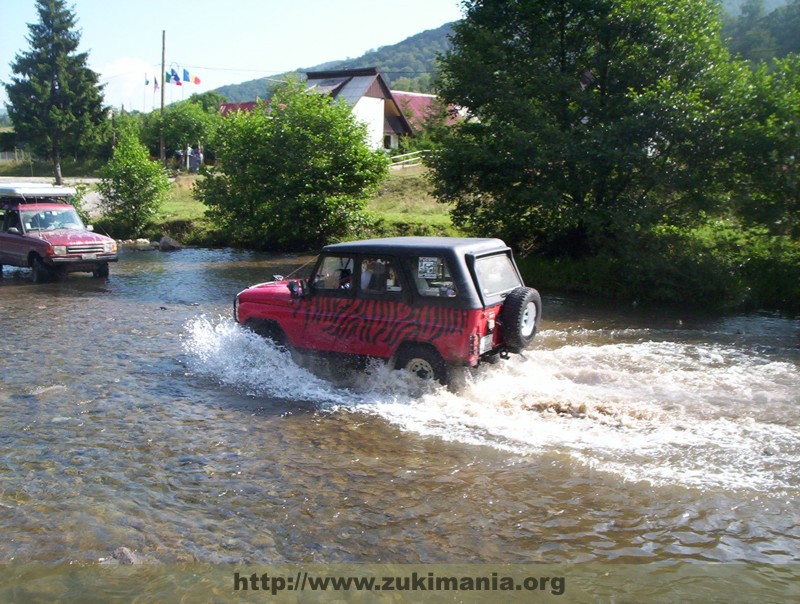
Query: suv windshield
point(48, 220)
point(496, 274)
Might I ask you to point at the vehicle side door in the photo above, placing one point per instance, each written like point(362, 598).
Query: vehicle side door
point(323, 316)
point(13, 246)
point(381, 315)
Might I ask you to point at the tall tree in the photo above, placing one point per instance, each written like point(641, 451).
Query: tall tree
point(55, 99)
point(589, 118)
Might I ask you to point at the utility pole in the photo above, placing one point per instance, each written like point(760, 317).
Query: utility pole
point(163, 151)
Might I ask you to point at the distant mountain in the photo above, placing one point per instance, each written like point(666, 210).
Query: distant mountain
point(408, 65)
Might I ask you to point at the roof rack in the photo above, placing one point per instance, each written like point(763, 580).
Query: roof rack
point(32, 192)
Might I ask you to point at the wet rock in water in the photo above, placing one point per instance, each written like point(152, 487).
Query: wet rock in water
point(122, 555)
point(168, 244)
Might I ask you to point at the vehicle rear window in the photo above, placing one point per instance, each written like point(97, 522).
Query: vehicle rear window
point(496, 274)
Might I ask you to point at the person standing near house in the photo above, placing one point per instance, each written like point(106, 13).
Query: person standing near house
point(195, 159)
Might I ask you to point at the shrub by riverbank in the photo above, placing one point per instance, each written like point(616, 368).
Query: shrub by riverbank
point(718, 265)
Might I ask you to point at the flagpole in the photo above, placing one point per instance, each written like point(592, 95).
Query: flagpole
point(161, 121)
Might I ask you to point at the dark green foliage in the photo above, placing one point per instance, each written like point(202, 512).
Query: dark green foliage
point(763, 31)
point(132, 187)
point(56, 104)
point(292, 175)
point(188, 123)
point(718, 265)
point(589, 118)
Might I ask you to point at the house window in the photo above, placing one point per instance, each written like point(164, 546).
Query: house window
point(387, 141)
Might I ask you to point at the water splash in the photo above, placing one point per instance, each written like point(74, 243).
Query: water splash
point(706, 415)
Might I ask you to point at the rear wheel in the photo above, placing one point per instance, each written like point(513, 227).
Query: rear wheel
point(520, 318)
point(424, 362)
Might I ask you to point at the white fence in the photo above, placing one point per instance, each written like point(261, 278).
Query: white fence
point(15, 155)
point(408, 160)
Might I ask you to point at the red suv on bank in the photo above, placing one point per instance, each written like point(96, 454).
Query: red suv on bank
point(41, 230)
point(423, 304)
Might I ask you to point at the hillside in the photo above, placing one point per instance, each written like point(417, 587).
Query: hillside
point(411, 64)
point(408, 65)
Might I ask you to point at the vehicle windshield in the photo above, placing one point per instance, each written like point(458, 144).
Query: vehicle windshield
point(496, 274)
point(49, 220)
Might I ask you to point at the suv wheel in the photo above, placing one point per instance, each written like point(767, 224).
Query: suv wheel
point(101, 272)
point(268, 330)
point(40, 272)
point(424, 362)
point(520, 318)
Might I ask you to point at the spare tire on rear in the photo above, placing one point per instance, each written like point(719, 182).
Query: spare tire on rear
point(520, 318)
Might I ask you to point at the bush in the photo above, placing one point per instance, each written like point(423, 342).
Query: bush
point(291, 176)
point(132, 188)
point(716, 265)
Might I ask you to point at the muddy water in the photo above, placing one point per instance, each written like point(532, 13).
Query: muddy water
point(134, 412)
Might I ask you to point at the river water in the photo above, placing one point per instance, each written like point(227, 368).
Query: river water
point(134, 412)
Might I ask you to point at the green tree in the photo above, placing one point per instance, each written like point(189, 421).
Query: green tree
point(56, 103)
point(764, 123)
point(588, 119)
point(292, 175)
point(186, 124)
point(132, 187)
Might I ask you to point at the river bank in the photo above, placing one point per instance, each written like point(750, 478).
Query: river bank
point(718, 265)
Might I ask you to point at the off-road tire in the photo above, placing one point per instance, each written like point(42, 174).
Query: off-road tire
point(522, 311)
point(424, 362)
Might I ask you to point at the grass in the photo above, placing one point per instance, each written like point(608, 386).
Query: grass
point(403, 206)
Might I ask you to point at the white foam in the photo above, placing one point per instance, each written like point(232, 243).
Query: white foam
point(703, 415)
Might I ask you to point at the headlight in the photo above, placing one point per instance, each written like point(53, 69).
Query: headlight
point(110, 247)
point(59, 250)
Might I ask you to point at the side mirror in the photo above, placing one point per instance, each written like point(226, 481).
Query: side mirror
point(299, 289)
point(89, 227)
point(13, 231)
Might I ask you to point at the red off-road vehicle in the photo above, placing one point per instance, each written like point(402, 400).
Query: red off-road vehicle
point(41, 230)
point(421, 303)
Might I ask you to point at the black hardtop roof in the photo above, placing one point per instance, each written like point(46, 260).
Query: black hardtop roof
point(420, 245)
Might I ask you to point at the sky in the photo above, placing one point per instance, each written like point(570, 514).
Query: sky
point(220, 42)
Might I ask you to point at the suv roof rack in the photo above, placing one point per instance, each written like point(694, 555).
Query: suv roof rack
point(29, 192)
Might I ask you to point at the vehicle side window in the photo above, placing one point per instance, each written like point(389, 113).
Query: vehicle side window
point(11, 220)
point(335, 273)
point(379, 276)
point(432, 277)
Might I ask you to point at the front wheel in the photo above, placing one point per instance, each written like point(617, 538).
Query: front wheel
point(40, 272)
point(520, 318)
point(424, 362)
point(101, 272)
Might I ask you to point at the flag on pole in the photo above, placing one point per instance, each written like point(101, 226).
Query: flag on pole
point(155, 84)
point(190, 77)
point(146, 80)
point(176, 79)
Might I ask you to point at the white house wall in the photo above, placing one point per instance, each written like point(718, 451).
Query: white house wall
point(370, 111)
